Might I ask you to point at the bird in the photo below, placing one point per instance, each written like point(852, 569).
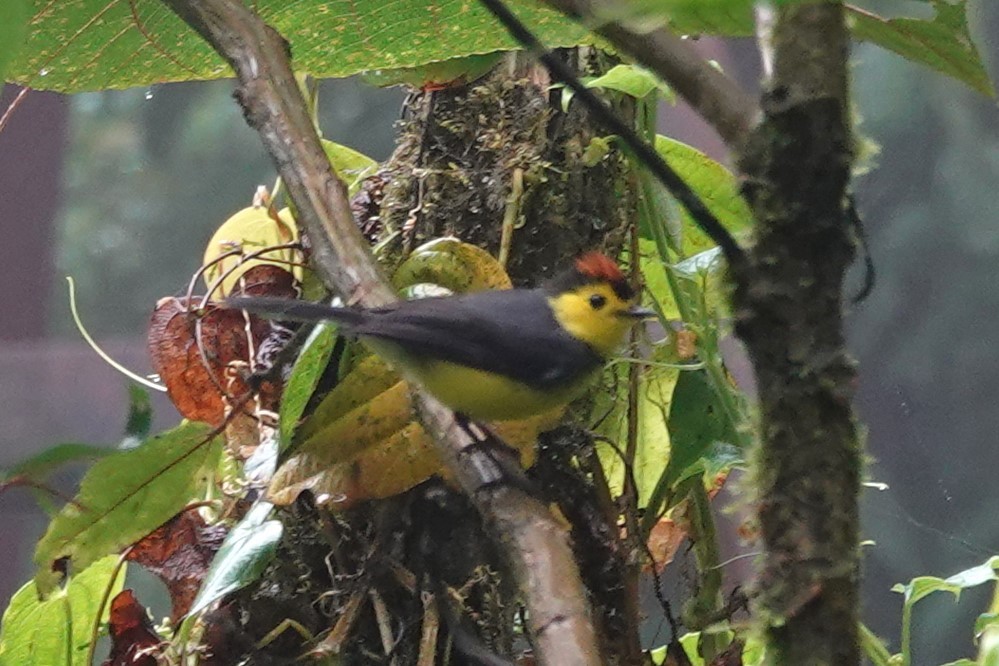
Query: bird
point(492, 355)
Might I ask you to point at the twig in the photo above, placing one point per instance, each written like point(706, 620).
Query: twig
point(717, 98)
point(534, 543)
point(384, 621)
point(105, 596)
point(12, 107)
point(429, 631)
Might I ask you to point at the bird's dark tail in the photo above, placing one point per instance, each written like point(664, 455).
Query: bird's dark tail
point(289, 309)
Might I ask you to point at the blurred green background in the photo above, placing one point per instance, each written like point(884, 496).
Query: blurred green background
point(122, 190)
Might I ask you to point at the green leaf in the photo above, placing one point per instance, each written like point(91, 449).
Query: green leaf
point(243, 556)
point(351, 165)
point(963, 662)
point(56, 631)
point(305, 375)
point(96, 44)
point(701, 438)
point(633, 81)
point(124, 497)
point(943, 43)
point(922, 586)
point(696, 421)
point(714, 184)
point(703, 277)
point(987, 634)
point(452, 264)
point(140, 416)
point(13, 23)
point(39, 466)
point(655, 391)
point(986, 621)
point(440, 73)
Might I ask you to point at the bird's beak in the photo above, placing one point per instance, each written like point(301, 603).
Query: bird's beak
point(636, 312)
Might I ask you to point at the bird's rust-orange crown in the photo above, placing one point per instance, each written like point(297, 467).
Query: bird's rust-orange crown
point(593, 267)
point(598, 266)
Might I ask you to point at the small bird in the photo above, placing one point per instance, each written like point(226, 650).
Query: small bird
point(493, 355)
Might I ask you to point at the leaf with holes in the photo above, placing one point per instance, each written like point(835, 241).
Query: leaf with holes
point(124, 497)
point(192, 348)
point(57, 630)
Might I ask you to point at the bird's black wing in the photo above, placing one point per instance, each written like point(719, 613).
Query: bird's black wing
point(513, 333)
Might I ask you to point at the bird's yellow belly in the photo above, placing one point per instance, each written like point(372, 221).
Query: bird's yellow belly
point(480, 395)
point(487, 396)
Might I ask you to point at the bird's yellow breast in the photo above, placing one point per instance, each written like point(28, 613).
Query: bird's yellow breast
point(488, 396)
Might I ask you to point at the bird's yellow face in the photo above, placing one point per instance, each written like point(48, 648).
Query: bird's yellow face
point(595, 314)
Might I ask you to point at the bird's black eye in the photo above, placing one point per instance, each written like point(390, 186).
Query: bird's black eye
point(597, 301)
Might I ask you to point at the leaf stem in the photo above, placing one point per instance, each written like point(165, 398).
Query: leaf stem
point(873, 647)
point(100, 352)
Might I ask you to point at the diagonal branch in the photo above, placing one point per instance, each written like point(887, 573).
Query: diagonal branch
point(535, 545)
point(717, 98)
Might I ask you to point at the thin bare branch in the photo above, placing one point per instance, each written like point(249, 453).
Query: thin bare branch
point(534, 543)
point(717, 98)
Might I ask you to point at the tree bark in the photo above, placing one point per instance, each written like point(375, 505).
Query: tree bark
point(796, 167)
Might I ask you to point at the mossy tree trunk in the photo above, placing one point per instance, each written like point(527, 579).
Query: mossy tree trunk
point(796, 166)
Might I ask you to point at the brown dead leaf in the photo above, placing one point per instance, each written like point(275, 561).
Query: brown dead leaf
point(268, 280)
point(686, 344)
point(179, 552)
point(193, 352)
point(665, 540)
point(134, 642)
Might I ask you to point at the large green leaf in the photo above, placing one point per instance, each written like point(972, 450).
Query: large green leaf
point(56, 631)
point(697, 426)
point(124, 497)
point(13, 21)
point(652, 453)
point(77, 45)
point(943, 43)
point(713, 183)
